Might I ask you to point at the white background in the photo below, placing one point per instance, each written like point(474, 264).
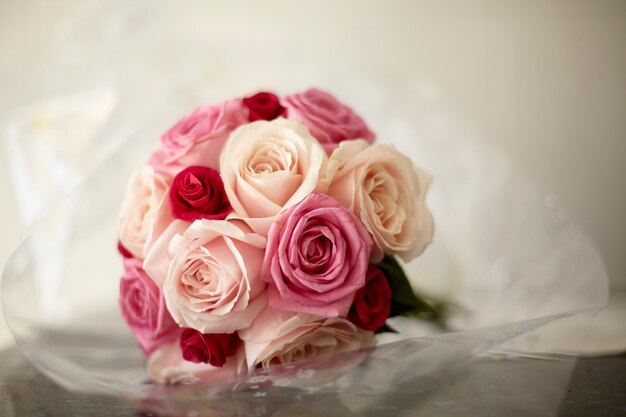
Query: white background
point(544, 81)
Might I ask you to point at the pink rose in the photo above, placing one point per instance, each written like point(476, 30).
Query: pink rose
point(198, 138)
point(143, 308)
point(264, 106)
point(208, 348)
point(270, 166)
point(145, 212)
point(278, 337)
point(372, 303)
point(198, 193)
point(316, 258)
point(213, 281)
point(387, 192)
point(168, 366)
point(328, 120)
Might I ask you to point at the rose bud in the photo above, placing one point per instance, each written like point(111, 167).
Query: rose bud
point(372, 303)
point(197, 192)
point(208, 348)
point(264, 106)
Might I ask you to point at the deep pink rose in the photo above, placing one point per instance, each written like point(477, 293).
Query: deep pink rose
point(208, 348)
point(143, 309)
point(372, 303)
point(316, 258)
point(198, 138)
point(264, 106)
point(328, 120)
point(198, 193)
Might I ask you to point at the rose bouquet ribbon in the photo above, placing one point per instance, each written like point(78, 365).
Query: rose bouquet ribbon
point(266, 230)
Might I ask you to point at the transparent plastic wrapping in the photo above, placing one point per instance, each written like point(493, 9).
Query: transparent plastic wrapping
point(504, 256)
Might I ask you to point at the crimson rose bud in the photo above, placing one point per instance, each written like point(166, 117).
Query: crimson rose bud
point(264, 106)
point(208, 348)
point(371, 305)
point(197, 192)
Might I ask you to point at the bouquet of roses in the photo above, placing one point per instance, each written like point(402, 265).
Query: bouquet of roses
point(265, 230)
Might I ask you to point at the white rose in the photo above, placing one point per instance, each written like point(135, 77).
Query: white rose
point(278, 337)
point(269, 166)
point(387, 192)
point(145, 212)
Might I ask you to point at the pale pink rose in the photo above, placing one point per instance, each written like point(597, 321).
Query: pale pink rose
point(278, 337)
point(167, 366)
point(213, 282)
point(387, 192)
point(268, 167)
point(145, 211)
point(143, 308)
point(328, 120)
point(316, 258)
point(198, 138)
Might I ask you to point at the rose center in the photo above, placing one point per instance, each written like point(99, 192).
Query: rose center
point(139, 305)
point(196, 193)
point(316, 250)
point(270, 158)
point(192, 183)
point(201, 279)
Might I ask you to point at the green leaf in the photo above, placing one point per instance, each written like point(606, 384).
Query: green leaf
point(385, 328)
point(404, 301)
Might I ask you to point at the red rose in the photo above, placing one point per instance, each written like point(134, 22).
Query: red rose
point(371, 305)
point(264, 106)
point(198, 193)
point(208, 348)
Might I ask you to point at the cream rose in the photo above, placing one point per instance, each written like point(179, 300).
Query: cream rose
point(279, 337)
point(269, 166)
point(213, 281)
point(145, 212)
point(383, 188)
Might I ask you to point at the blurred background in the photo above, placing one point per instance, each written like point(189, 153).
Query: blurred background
point(543, 82)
